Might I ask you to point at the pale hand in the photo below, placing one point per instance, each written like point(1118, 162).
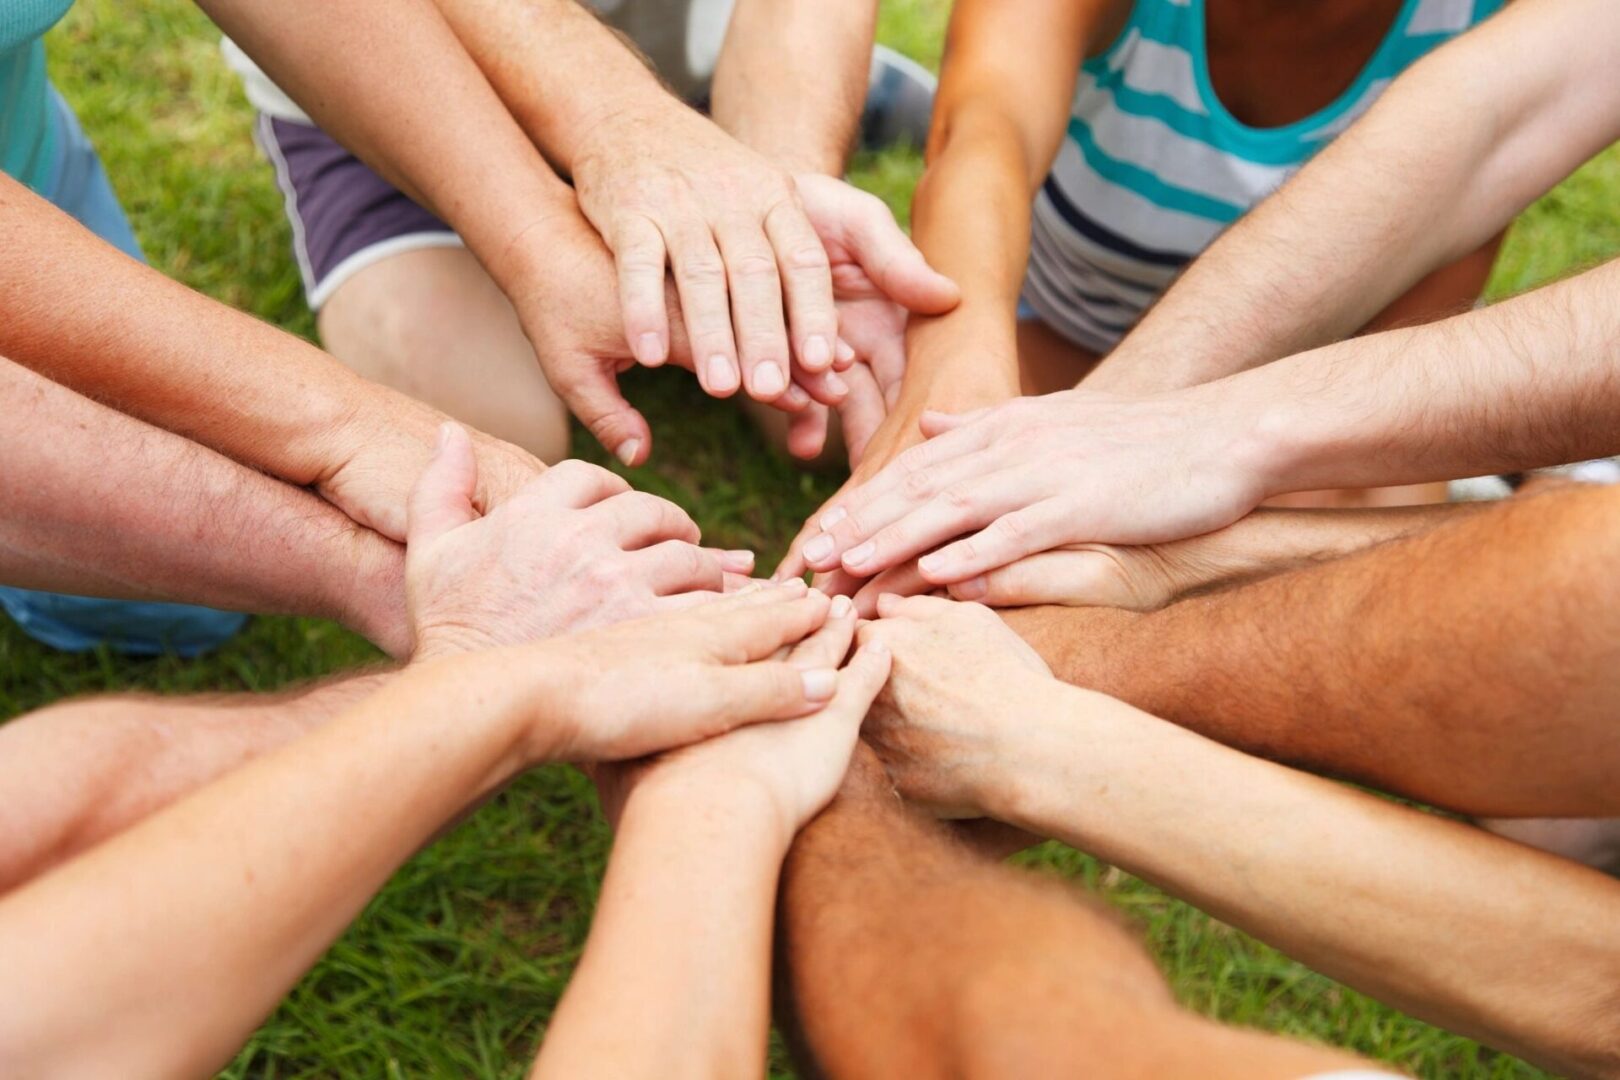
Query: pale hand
point(571, 549)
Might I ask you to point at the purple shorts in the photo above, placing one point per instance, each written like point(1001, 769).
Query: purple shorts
point(344, 216)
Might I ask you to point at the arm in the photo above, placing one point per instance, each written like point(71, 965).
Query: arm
point(98, 503)
point(676, 973)
point(908, 955)
point(1511, 711)
point(235, 890)
point(1489, 122)
point(84, 315)
point(1428, 914)
point(798, 105)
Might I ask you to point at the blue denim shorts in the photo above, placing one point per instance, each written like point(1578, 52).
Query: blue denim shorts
point(77, 623)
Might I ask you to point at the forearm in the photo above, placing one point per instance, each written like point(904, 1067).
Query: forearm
point(1317, 667)
point(101, 504)
point(77, 773)
point(365, 87)
point(84, 315)
point(1522, 384)
point(1428, 914)
point(1489, 122)
point(675, 978)
point(791, 80)
point(236, 890)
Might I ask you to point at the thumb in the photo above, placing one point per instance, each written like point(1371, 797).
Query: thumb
point(595, 399)
point(899, 270)
point(442, 498)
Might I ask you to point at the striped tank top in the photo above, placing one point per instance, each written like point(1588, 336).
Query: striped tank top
point(1153, 166)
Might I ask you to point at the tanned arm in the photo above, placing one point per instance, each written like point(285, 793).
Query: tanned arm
point(1472, 666)
point(1488, 122)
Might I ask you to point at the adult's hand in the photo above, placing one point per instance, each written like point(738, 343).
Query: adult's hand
point(960, 682)
point(573, 548)
point(796, 765)
point(1039, 473)
point(676, 679)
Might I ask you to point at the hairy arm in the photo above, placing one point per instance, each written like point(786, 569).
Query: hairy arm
point(1436, 917)
point(99, 503)
point(791, 79)
point(236, 890)
point(1509, 711)
point(1488, 122)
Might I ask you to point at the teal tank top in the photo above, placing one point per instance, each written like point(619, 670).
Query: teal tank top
point(27, 123)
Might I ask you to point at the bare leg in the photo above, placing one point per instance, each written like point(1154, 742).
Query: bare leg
point(432, 324)
point(907, 954)
point(1473, 666)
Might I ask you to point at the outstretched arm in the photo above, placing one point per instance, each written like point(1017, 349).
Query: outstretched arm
point(908, 955)
point(1509, 712)
point(1432, 915)
point(99, 503)
point(1489, 122)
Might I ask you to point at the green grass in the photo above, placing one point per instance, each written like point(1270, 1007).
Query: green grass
point(455, 968)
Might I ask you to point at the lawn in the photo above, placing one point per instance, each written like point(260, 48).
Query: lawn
point(455, 968)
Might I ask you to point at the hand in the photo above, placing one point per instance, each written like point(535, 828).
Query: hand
point(961, 683)
point(797, 765)
point(383, 449)
point(1038, 473)
point(675, 189)
point(673, 680)
point(573, 548)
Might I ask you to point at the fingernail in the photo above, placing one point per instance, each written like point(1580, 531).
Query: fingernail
point(860, 556)
point(769, 381)
point(650, 349)
point(876, 647)
point(846, 351)
point(931, 564)
point(737, 561)
point(836, 385)
point(971, 589)
point(886, 602)
point(722, 374)
point(794, 397)
point(832, 517)
point(819, 684)
point(794, 584)
point(817, 353)
point(818, 549)
point(628, 450)
point(443, 437)
point(841, 607)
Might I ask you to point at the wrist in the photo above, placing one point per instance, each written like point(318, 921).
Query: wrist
point(734, 808)
point(371, 599)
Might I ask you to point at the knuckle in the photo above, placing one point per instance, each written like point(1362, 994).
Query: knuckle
point(957, 502)
point(808, 258)
point(754, 265)
point(702, 270)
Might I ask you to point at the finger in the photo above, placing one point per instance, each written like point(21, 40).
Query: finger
point(1073, 578)
point(837, 583)
point(593, 396)
point(933, 423)
point(737, 631)
point(442, 498)
point(806, 285)
point(844, 355)
point(860, 681)
point(1006, 540)
point(734, 561)
point(902, 580)
point(770, 690)
point(827, 387)
point(890, 606)
point(578, 484)
point(861, 413)
point(955, 511)
point(807, 432)
point(638, 254)
point(685, 601)
point(894, 264)
point(639, 519)
point(756, 312)
point(827, 647)
point(674, 567)
point(738, 582)
point(700, 281)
